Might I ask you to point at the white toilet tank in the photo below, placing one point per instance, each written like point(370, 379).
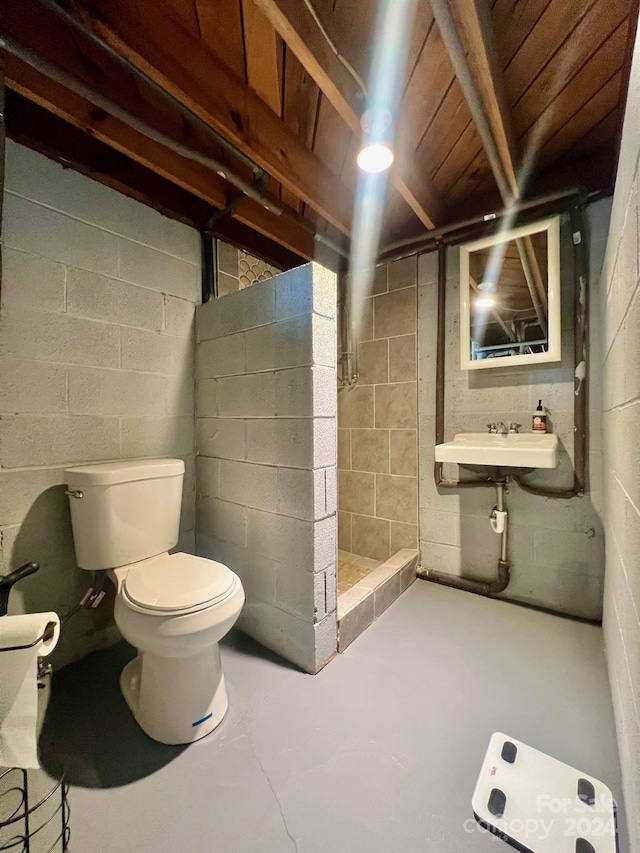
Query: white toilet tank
point(122, 512)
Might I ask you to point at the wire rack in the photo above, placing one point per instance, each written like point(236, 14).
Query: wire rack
point(34, 814)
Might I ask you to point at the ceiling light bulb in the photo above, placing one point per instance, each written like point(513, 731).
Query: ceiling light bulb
point(485, 302)
point(375, 157)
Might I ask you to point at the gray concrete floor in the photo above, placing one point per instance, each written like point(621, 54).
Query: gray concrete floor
point(378, 753)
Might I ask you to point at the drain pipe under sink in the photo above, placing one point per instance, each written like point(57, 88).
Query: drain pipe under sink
point(499, 520)
point(502, 580)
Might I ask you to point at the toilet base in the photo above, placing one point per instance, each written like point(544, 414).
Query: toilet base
point(176, 700)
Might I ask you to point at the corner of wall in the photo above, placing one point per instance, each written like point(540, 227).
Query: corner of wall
point(96, 324)
point(266, 410)
point(619, 318)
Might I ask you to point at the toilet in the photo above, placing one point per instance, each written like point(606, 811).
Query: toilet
point(174, 608)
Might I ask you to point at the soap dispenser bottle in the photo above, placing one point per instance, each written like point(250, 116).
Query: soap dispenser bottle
point(539, 420)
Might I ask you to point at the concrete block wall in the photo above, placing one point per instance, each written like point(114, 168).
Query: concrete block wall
point(620, 399)
point(97, 363)
point(377, 423)
point(556, 547)
point(266, 443)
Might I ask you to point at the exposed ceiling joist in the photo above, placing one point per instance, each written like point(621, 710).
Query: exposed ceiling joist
point(286, 229)
point(190, 176)
point(293, 20)
point(41, 130)
point(263, 56)
point(473, 21)
point(51, 95)
point(55, 45)
point(211, 91)
point(265, 95)
point(475, 61)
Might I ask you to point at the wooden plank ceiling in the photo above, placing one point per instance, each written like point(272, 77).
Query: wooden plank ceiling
point(271, 76)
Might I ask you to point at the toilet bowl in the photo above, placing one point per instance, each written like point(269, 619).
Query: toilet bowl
point(173, 608)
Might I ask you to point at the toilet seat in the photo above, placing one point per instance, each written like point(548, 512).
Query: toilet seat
point(173, 583)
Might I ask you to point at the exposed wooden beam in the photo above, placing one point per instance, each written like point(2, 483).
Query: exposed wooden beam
point(161, 48)
point(227, 40)
point(51, 95)
point(43, 131)
point(472, 19)
point(593, 171)
point(294, 22)
point(286, 229)
point(52, 39)
point(264, 56)
point(193, 177)
point(298, 29)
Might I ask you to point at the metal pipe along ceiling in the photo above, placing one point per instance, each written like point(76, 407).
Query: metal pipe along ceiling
point(169, 99)
point(89, 93)
point(253, 191)
point(456, 51)
point(447, 233)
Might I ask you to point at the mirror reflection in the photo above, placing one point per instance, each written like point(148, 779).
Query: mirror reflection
point(510, 305)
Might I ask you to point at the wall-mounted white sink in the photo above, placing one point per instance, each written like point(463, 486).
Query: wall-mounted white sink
point(525, 450)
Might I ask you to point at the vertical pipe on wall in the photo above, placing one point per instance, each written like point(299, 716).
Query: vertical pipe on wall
point(209, 247)
point(3, 140)
point(581, 344)
point(581, 336)
point(440, 343)
point(502, 580)
point(440, 376)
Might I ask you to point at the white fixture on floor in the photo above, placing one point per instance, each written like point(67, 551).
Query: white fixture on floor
point(512, 450)
point(174, 608)
point(535, 802)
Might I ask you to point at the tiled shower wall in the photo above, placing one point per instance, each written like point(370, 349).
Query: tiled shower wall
point(238, 269)
point(266, 507)
point(377, 423)
point(620, 323)
point(97, 357)
point(556, 547)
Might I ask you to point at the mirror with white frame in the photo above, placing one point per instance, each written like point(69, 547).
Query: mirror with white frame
point(510, 297)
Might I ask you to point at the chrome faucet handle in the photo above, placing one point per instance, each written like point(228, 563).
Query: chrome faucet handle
point(514, 428)
point(492, 428)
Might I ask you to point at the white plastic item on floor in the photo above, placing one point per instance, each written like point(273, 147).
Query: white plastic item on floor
point(537, 804)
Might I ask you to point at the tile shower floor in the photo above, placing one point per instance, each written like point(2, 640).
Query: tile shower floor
point(378, 753)
point(352, 569)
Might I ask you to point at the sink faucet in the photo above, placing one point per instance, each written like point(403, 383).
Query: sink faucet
point(501, 428)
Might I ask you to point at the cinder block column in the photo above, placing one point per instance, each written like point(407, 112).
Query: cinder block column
point(266, 467)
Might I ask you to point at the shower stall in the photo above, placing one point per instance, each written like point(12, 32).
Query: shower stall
point(377, 446)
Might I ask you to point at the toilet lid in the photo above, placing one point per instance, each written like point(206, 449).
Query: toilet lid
point(178, 582)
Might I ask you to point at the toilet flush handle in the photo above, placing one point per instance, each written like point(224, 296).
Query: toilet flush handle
point(74, 493)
